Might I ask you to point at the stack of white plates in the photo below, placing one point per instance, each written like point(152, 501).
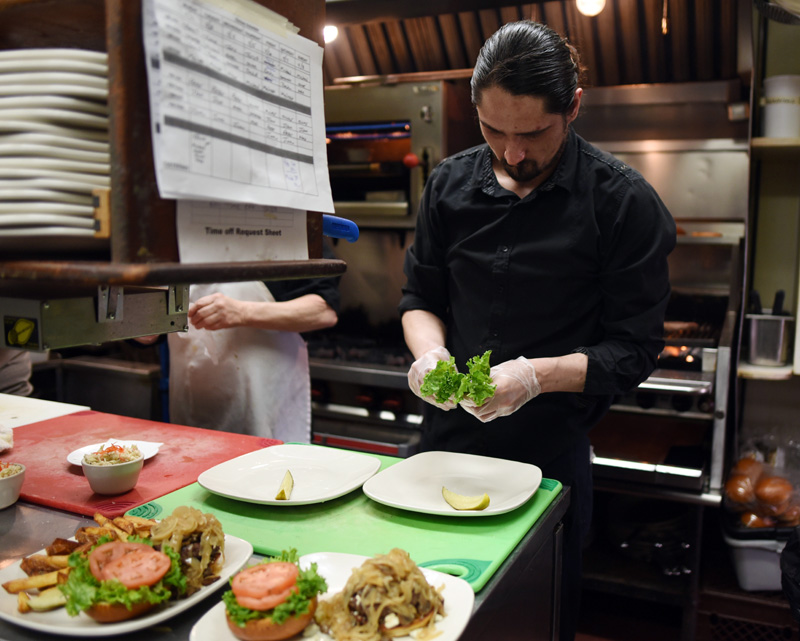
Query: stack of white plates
point(54, 147)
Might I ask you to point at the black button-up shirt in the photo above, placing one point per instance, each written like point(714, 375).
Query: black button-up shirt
point(579, 264)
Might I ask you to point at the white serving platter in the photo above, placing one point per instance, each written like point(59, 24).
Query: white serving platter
point(53, 102)
point(320, 474)
point(49, 53)
point(237, 553)
point(39, 220)
point(335, 567)
point(53, 64)
point(415, 483)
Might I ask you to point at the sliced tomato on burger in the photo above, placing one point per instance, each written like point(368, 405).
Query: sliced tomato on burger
point(264, 586)
point(132, 564)
point(273, 600)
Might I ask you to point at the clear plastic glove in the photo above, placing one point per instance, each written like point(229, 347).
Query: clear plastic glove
point(423, 365)
point(516, 384)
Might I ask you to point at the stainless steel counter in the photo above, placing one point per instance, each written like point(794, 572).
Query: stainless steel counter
point(524, 589)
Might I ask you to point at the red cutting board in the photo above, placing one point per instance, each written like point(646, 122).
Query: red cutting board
point(53, 481)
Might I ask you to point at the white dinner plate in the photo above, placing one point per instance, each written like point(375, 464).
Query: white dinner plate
point(147, 448)
point(55, 164)
point(48, 195)
point(237, 553)
point(416, 483)
point(319, 473)
point(336, 568)
point(54, 88)
point(38, 220)
point(63, 116)
point(48, 53)
point(57, 231)
point(58, 209)
point(47, 151)
point(68, 142)
point(77, 186)
point(37, 126)
point(33, 173)
point(53, 102)
point(54, 78)
point(19, 65)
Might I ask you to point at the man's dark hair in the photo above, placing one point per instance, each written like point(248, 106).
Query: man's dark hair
point(527, 58)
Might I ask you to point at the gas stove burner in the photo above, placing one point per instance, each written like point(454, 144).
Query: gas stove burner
point(691, 333)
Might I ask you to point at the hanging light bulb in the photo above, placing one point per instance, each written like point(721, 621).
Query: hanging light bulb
point(591, 7)
point(330, 32)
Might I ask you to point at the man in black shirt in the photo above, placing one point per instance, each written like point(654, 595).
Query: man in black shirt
point(548, 252)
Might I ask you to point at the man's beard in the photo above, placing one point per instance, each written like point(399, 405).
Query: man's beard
point(529, 170)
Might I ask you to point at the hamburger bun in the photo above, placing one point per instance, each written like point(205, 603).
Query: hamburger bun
point(115, 612)
point(265, 630)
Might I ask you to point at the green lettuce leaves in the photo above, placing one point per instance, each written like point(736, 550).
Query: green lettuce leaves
point(444, 382)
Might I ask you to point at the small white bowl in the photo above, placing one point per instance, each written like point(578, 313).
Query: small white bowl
point(10, 487)
point(113, 479)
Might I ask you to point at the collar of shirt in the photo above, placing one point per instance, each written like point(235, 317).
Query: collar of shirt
point(483, 176)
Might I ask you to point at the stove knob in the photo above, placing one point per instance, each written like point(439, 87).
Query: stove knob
point(645, 400)
point(706, 404)
point(681, 402)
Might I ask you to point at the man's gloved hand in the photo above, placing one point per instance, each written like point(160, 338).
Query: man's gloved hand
point(423, 365)
point(516, 384)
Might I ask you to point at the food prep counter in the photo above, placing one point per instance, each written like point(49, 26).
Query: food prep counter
point(523, 588)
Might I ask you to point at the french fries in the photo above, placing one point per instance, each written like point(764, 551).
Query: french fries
point(38, 592)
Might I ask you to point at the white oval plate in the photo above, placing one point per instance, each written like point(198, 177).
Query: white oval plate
point(52, 209)
point(45, 195)
point(55, 115)
point(415, 483)
point(61, 89)
point(53, 102)
point(54, 78)
point(148, 449)
point(237, 553)
point(50, 231)
point(37, 220)
point(320, 474)
point(336, 567)
point(53, 64)
point(70, 142)
point(97, 57)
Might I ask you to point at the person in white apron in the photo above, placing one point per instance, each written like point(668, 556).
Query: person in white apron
point(244, 368)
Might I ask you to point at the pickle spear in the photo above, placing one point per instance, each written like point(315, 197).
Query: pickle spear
point(461, 502)
point(287, 485)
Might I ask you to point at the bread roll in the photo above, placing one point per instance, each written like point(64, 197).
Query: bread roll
point(774, 490)
point(749, 467)
point(740, 489)
point(751, 519)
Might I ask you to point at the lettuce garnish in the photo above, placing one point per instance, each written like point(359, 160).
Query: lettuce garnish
point(444, 381)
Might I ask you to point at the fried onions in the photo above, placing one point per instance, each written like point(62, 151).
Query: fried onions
point(202, 534)
point(387, 596)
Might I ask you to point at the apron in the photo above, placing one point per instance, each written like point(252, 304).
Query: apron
point(241, 379)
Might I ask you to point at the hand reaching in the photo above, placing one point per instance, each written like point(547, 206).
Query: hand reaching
point(216, 311)
point(423, 365)
point(516, 384)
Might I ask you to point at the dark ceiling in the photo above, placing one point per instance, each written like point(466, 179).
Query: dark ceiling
point(623, 45)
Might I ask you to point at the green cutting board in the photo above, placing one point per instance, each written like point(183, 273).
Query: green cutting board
point(470, 547)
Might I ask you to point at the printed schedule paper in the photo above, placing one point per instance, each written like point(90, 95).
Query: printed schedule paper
point(237, 105)
point(210, 232)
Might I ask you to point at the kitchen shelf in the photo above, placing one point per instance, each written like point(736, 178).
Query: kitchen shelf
point(143, 248)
